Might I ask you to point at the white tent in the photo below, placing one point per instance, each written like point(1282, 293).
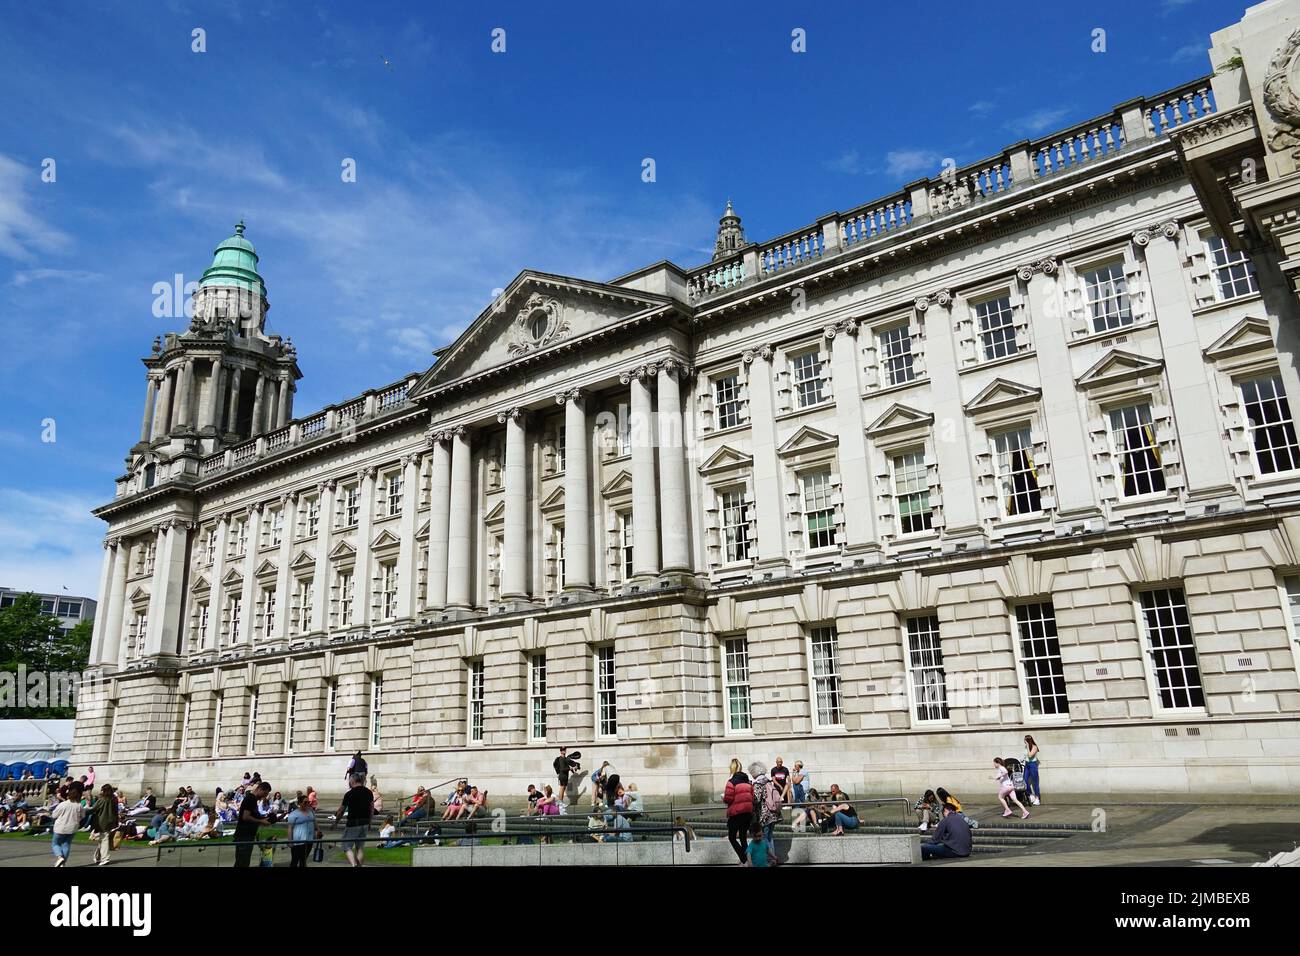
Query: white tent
point(29, 740)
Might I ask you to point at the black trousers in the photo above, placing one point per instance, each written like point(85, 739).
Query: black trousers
point(298, 854)
point(738, 833)
point(244, 852)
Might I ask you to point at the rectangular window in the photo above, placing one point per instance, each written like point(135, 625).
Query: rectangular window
point(818, 510)
point(726, 401)
point(912, 492)
point(537, 696)
point(1234, 273)
point(825, 655)
point(624, 433)
point(252, 722)
point(200, 625)
point(139, 632)
point(268, 612)
point(331, 713)
point(476, 700)
point(185, 724)
point(70, 609)
point(1017, 474)
point(1272, 430)
point(388, 590)
point(558, 539)
point(290, 716)
point(312, 518)
point(894, 347)
point(808, 382)
point(997, 330)
point(394, 497)
point(625, 541)
point(1292, 584)
point(376, 710)
point(1171, 648)
point(236, 609)
point(925, 664)
point(217, 715)
point(210, 547)
point(735, 528)
point(275, 529)
point(351, 506)
point(306, 587)
point(561, 437)
point(735, 683)
point(606, 695)
point(345, 598)
point(1107, 293)
point(1040, 659)
point(1138, 453)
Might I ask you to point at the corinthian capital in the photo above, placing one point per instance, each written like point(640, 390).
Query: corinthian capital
point(515, 414)
point(570, 395)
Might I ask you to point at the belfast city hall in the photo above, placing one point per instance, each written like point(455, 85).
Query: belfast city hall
point(1009, 450)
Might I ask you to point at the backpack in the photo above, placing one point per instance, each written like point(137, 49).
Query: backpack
point(772, 798)
point(359, 766)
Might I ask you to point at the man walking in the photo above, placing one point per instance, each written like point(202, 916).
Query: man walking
point(103, 821)
point(563, 765)
point(250, 820)
point(356, 807)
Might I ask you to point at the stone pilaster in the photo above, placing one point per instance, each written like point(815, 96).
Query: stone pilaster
point(645, 496)
point(675, 520)
point(406, 557)
point(577, 491)
point(768, 490)
point(320, 602)
point(460, 533)
point(514, 572)
point(284, 575)
point(439, 519)
point(248, 598)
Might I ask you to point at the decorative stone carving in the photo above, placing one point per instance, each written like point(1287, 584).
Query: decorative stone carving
point(1047, 267)
point(538, 324)
point(844, 326)
point(511, 414)
point(765, 352)
point(1280, 98)
point(570, 394)
point(942, 297)
point(1168, 229)
point(641, 372)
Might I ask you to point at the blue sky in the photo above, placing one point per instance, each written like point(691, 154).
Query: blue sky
point(470, 166)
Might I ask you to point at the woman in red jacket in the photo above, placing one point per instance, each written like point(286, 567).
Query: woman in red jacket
point(739, 798)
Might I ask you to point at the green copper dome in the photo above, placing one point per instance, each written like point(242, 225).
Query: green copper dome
point(234, 263)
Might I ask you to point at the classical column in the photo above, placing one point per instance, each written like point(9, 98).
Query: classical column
point(185, 378)
point(282, 404)
point(248, 598)
point(324, 536)
point(439, 517)
point(284, 575)
point(213, 407)
point(769, 495)
point(165, 588)
point(162, 409)
point(645, 498)
point(216, 590)
point(406, 562)
point(460, 537)
point(124, 609)
point(363, 580)
point(101, 609)
point(577, 491)
point(1200, 439)
point(675, 520)
point(111, 641)
point(232, 421)
point(514, 566)
point(259, 407)
point(150, 393)
point(1063, 406)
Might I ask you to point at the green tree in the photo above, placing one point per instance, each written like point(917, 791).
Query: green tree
point(33, 639)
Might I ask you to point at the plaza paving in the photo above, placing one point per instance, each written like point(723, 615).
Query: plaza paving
point(1140, 830)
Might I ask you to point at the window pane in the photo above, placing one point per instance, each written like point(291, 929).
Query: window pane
point(996, 328)
point(1172, 650)
point(1040, 658)
point(1272, 432)
point(925, 662)
point(1017, 473)
point(1107, 294)
point(1137, 451)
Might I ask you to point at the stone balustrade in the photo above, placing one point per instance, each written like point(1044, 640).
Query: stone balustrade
point(1141, 120)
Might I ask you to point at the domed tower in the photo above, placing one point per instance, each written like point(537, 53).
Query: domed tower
point(731, 235)
point(222, 381)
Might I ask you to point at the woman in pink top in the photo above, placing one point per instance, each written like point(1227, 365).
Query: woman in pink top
point(1006, 789)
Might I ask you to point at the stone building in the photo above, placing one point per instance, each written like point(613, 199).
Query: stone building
point(1007, 451)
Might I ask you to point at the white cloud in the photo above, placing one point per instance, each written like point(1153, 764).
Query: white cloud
point(23, 233)
point(1191, 51)
point(1038, 121)
point(28, 276)
point(49, 541)
point(903, 163)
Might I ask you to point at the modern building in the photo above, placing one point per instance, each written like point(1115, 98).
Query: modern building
point(1009, 450)
point(70, 610)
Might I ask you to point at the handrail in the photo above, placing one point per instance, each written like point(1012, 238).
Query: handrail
point(825, 801)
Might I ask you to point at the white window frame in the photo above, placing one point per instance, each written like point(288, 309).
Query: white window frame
point(268, 612)
point(250, 744)
point(981, 310)
point(916, 672)
point(605, 695)
point(387, 590)
point(1291, 609)
point(1279, 396)
point(1148, 654)
point(1022, 661)
point(1121, 296)
point(331, 713)
point(807, 359)
point(218, 711)
point(393, 494)
point(290, 717)
point(737, 545)
point(728, 398)
point(824, 490)
point(833, 677)
point(537, 695)
point(896, 456)
point(626, 546)
point(736, 679)
point(476, 711)
point(1004, 472)
point(1118, 453)
point(886, 336)
point(1232, 259)
point(376, 711)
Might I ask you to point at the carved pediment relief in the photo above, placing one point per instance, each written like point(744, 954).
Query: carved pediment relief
point(540, 322)
point(1282, 98)
point(1118, 365)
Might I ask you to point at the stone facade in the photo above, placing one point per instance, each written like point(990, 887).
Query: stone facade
point(1007, 452)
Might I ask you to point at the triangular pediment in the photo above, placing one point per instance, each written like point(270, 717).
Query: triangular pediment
point(385, 539)
point(497, 513)
point(807, 439)
point(1001, 393)
point(423, 531)
point(267, 567)
point(1118, 365)
point(200, 583)
point(1251, 334)
point(232, 578)
point(305, 559)
point(343, 550)
point(139, 594)
point(555, 500)
point(726, 458)
point(536, 312)
point(898, 417)
point(620, 484)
